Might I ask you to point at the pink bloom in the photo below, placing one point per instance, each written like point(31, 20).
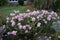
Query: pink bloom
point(27, 25)
point(52, 12)
point(40, 16)
point(38, 24)
point(46, 12)
point(26, 15)
point(13, 18)
point(24, 27)
point(43, 11)
point(16, 16)
point(20, 26)
point(58, 22)
point(3, 26)
point(13, 24)
point(55, 14)
point(28, 10)
point(16, 11)
point(37, 11)
point(7, 18)
point(26, 31)
point(33, 19)
point(58, 17)
point(8, 33)
point(14, 32)
point(12, 14)
point(48, 18)
point(37, 17)
point(20, 19)
point(34, 13)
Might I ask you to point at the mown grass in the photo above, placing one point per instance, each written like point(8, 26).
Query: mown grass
point(5, 10)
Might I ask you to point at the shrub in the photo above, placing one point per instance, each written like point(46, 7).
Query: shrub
point(21, 2)
point(30, 25)
point(3, 2)
point(56, 6)
point(46, 4)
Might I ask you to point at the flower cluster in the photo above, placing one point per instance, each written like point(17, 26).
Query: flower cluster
point(30, 22)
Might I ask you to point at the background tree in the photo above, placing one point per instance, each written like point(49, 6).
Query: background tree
point(21, 2)
point(3, 2)
point(46, 4)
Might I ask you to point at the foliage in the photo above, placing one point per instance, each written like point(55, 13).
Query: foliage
point(3, 2)
point(47, 4)
point(31, 24)
point(2, 21)
point(21, 2)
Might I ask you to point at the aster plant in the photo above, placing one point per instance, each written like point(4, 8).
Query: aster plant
point(29, 25)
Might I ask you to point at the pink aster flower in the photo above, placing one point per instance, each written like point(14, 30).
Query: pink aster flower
point(12, 14)
point(38, 17)
point(3, 26)
point(58, 17)
point(24, 27)
point(28, 10)
point(20, 19)
point(8, 33)
point(38, 11)
point(13, 32)
point(16, 16)
point(20, 26)
point(38, 24)
point(26, 31)
point(13, 24)
point(52, 12)
point(55, 14)
point(7, 18)
point(13, 18)
point(58, 22)
point(48, 18)
point(16, 11)
point(33, 19)
point(43, 11)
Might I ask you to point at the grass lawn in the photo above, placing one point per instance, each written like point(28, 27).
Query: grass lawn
point(5, 10)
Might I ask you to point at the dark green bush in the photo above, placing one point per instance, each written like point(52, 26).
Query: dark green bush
point(47, 4)
point(56, 6)
point(21, 2)
point(3, 2)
